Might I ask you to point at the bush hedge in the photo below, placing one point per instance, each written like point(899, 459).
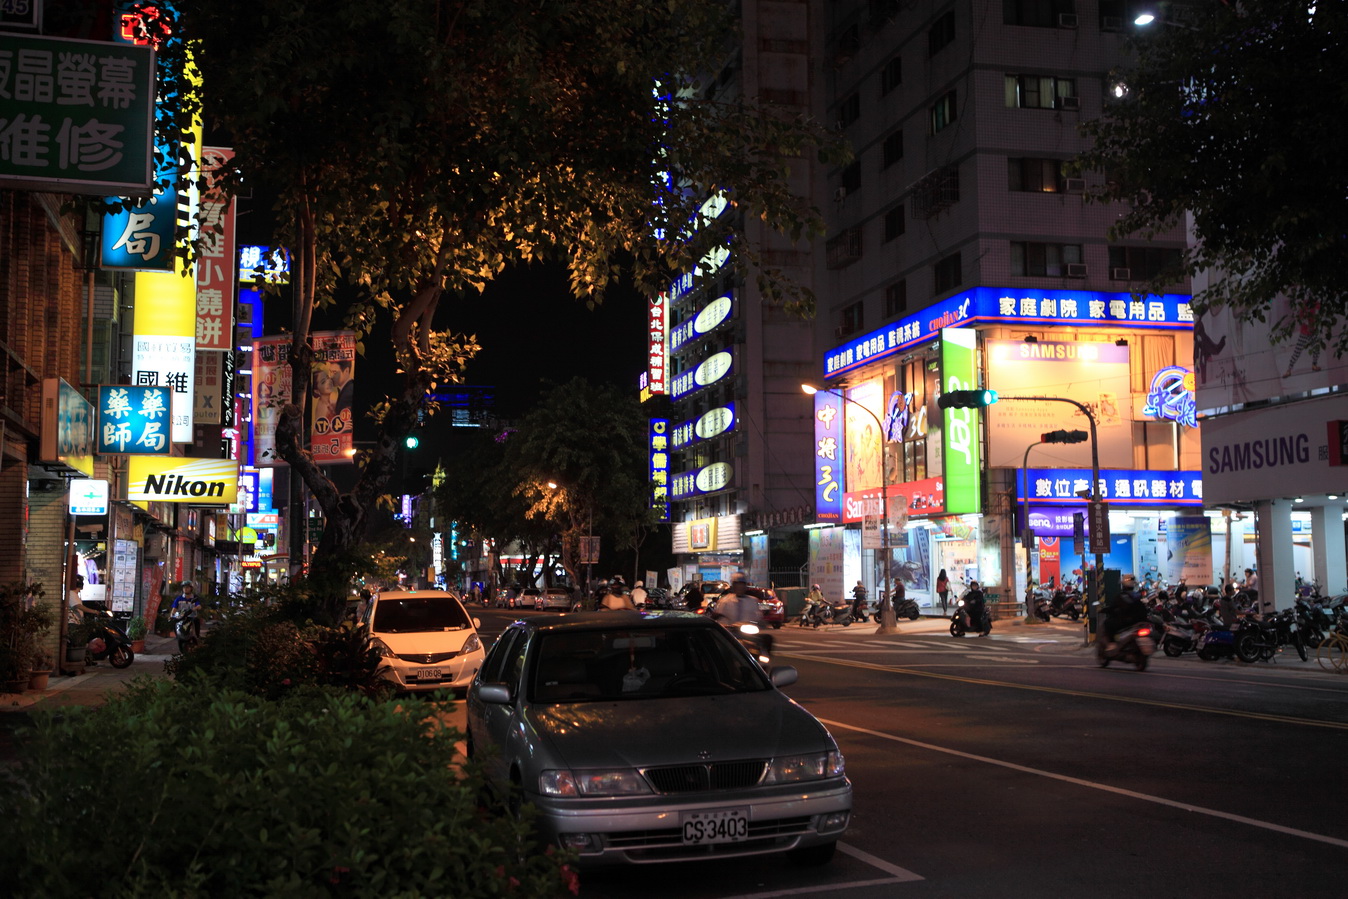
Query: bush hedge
point(223, 793)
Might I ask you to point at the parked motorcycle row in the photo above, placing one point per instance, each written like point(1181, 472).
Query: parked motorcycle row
point(1060, 602)
point(1196, 624)
point(817, 614)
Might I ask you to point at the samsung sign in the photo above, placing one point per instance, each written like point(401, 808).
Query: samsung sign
point(999, 305)
point(1272, 452)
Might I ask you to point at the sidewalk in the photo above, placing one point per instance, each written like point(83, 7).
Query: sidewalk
point(96, 682)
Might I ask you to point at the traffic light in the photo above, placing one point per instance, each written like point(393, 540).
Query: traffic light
point(967, 399)
point(412, 441)
point(1063, 437)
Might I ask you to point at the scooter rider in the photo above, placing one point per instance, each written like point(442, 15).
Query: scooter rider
point(738, 607)
point(1122, 612)
point(973, 607)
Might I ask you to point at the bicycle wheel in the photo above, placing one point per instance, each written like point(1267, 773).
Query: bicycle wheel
point(1333, 654)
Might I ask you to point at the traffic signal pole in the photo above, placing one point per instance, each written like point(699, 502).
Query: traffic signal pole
point(1026, 534)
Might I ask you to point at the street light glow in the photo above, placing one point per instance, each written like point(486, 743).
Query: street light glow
point(1145, 18)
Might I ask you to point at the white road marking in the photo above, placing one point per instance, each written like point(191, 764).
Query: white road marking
point(897, 875)
point(1092, 785)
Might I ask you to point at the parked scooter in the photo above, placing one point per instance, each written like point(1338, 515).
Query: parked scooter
point(109, 641)
point(841, 614)
point(1065, 604)
point(1132, 645)
point(959, 624)
point(906, 608)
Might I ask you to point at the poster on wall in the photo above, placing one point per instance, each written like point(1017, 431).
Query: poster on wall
point(333, 387)
point(911, 563)
point(826, 560)
point(864, 439)
point(828, 457)
point(1093, 373)
point(1188, 549)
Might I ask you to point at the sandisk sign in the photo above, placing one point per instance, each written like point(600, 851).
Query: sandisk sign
point(202, 482)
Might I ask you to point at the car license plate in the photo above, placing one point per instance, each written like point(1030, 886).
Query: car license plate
point(427, 673)
point(722, 826)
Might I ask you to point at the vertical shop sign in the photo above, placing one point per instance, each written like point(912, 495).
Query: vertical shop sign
point(828, 456)
point(216, 272)
point(332, 382)
point(271, 391)
point(660, 467)
point(657, 326)
point(962, 459)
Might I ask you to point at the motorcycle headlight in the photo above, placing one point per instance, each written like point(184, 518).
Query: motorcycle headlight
point(796, 768)
point(615, 782)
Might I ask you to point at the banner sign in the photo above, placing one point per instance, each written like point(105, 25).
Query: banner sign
point(1014, 306)
point(334, 388)
point(659, 470)
point(708, 319)
point(1171, 396)
point(1126, 488)
point(271, 391)
point(657, 321)
point(925, 498)
point(67, 427)
point(961, 456)
point(708, 479)
point(215, 263)
point(133, 420)
point(1189, 549)
point(201, 482)
point(269, 264)
point(76, 116)
point(88, 496)
point(829, 445)
point(712, 369)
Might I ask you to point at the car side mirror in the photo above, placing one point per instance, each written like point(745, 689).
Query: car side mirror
point(477, 624)
point(783, 675)
point(494, 693)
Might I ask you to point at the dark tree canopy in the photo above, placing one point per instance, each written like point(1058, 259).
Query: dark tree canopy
point(1237, 114)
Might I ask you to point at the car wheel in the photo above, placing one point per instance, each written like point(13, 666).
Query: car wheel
point(812, 856)
point(777, 625)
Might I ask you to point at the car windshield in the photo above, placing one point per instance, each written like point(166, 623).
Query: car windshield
point(418, 615)
point(642, 664)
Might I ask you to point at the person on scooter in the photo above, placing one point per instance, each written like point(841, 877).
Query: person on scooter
point(188, 602)
point(973, 607)
point(738, 607)
point(859, 603)
point(1121, 613)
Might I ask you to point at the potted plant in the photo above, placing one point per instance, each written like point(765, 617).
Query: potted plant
point(77, 640)
point(42, 669)
point(135, 631)
point(22, 622)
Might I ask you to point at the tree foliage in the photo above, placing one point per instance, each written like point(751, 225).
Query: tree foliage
point(1235, 114)
point(417, 147)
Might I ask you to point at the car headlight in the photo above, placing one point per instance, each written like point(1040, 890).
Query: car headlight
point(381, 647)
point(795, 768)
point(617, 782)
point(472, 644)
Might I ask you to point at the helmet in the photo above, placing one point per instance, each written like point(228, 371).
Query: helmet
point(814, 586)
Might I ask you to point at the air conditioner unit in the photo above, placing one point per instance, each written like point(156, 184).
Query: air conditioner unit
point(1111, 23)
point(1067, 20)
point(1069, 102)
point(1121, 274)
point(1076, 269)
point(1075, 185)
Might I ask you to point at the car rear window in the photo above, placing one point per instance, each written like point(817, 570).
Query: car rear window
point(419, 615)
point(645, 663)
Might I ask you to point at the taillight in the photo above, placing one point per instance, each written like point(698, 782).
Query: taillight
point(1142, 632)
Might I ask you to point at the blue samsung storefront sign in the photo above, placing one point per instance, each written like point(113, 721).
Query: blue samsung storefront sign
point(1079, 308)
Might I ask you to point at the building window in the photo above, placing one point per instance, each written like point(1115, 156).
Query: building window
point(891, 76)
point(1143, 263)
point(1040, 92)
point(843, 249)
point(852, 319)
point(896, 299)
point(892, 150)
point(947, 274)
point(1040, 13)
point(1036, 175)
point(938, 191)
point(849, 110)
point(943, 112)
point(941, 33)
point(1043, 259)
point(850, 180)
point(894, 223)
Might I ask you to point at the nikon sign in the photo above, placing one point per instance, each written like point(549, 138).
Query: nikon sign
point(201, 482)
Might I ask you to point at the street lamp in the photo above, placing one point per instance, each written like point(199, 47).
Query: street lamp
point(889, 621)
point(1027, 535)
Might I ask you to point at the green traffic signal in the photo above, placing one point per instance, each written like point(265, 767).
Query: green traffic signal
point(967, 399)
point(412, 441)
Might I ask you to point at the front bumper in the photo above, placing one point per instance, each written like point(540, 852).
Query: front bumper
point(455, 674)
point(649, 830)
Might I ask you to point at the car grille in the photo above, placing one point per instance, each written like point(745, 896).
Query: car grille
point(697, 778)
point(426, 658)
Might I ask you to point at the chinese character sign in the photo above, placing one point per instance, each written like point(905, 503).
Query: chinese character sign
point(76, 116)
point(657, 323)
point(216, 272)
point(660, 467)
point(133, 420)
point(271, 391)
point(828, 456)
point(333, 386)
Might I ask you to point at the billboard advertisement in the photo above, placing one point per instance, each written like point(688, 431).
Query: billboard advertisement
point(1094, 374)
point(332, 383)
point(1188, 549)
point(271, 391)
point(961, 460)
point(67, 427)
point(865, 439)
point(201, 482)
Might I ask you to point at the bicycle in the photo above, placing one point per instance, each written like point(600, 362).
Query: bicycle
point(1334, 649)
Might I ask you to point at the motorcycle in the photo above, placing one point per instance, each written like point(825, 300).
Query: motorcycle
point(1181, 635)
point(842, 614)
point(815, 614)
point(906, 608)
point(758, 643)
point(959, 627)
point(109, 641)
point(1065, 604)
point(1132, 645)
point(184, 628)
point(1041, 604)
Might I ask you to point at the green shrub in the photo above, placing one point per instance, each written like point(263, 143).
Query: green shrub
point(322, 793)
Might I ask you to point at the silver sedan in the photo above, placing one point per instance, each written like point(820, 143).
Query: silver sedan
point(654, 737)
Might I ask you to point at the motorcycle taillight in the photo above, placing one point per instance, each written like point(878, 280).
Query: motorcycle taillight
point(1143, 632)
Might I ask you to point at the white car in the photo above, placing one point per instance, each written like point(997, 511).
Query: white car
point(554, 598)
point(426, 639)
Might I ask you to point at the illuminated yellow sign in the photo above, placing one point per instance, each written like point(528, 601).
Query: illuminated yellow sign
point(202, 482)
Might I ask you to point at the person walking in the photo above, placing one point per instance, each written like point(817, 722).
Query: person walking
point(943, 589)
point(693, 598)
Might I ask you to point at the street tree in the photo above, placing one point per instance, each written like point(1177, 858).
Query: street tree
point(415, 148)
point(1234, 114)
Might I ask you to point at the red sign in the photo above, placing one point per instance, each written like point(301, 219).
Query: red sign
point(216, 268)
point(925, 497)
point(657, 321)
